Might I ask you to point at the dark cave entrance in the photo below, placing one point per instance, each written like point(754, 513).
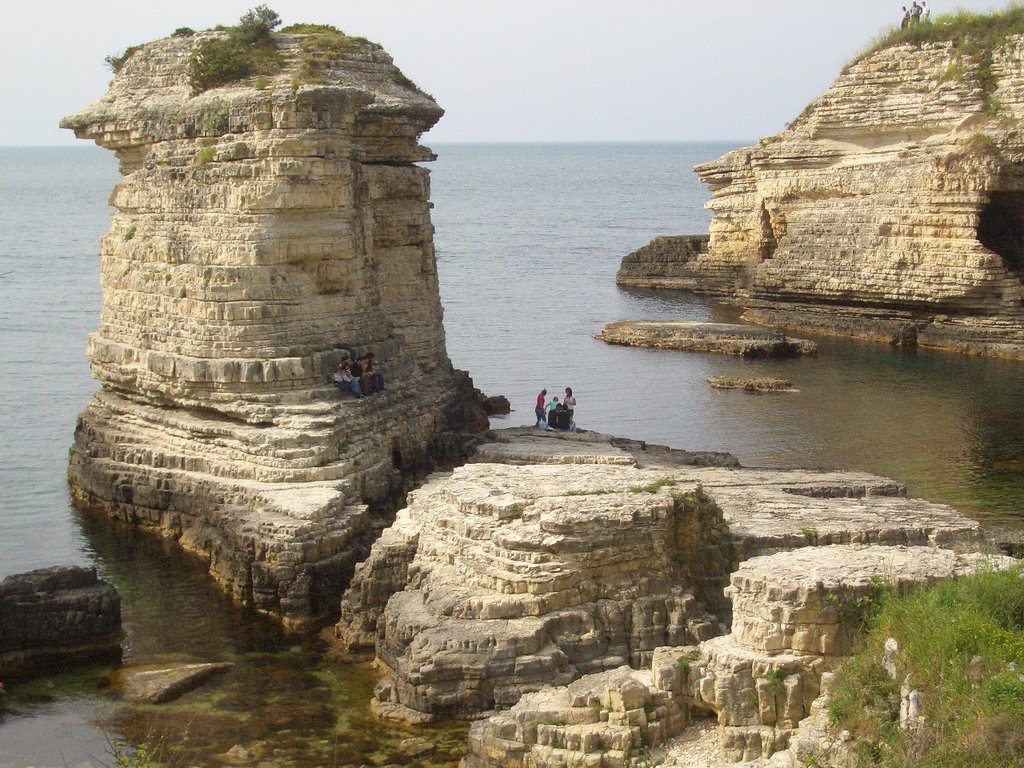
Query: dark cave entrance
point(1001, 228)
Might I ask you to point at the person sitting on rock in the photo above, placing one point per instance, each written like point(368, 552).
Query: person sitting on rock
point(375, 373)
point(371, 380)
point(551, 408)
point(343, 378)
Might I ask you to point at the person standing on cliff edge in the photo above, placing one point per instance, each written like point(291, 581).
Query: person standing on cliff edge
point(569, 402)
point(539, 409)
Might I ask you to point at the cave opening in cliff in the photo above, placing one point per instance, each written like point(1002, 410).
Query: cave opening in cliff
point(1001, 227)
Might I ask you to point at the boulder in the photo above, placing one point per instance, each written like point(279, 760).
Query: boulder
point(55, 617)
point(158, 686)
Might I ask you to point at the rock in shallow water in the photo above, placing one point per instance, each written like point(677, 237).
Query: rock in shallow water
point(54, 617)
point(723, 338)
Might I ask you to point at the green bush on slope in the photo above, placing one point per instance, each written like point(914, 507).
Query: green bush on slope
point(962, 643)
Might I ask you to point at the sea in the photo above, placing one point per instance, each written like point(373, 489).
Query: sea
point(528, 240)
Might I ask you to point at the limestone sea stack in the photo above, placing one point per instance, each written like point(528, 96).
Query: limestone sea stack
point(259, 226)
point(892, 208)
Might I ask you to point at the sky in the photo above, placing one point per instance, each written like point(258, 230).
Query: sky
point(503, 70)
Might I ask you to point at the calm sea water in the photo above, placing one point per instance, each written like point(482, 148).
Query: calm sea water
point(528, 241)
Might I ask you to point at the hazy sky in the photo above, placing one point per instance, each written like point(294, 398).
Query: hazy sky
point(528, 70)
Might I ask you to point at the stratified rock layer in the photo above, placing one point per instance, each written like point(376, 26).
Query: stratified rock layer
point(796, 616)
point(54, 617)
point(723, 338)
point(259, 226)
point(761, 685)
point(892, 209)
point(555, 556)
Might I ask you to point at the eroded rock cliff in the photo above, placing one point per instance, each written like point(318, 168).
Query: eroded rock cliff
point(257, 227)
point(893, 208)
point(557, 555)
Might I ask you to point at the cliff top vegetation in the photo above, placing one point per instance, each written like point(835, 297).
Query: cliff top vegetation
point(249, 49)
point(962, 644)
point(972, 34)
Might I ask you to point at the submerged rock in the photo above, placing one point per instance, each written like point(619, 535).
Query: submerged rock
point(158, 686)
point(261, 230)
point(56, 617)
point(751, 385)
point(724, 338)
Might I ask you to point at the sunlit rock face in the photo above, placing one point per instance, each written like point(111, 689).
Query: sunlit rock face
point(552, 556)
point(893, 208)
point(257, 227)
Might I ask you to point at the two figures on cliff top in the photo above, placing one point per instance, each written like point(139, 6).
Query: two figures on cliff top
point(359, 375)
point(915, 14)
point(556, 415)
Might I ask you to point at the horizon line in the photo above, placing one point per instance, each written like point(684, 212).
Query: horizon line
point(86, 144)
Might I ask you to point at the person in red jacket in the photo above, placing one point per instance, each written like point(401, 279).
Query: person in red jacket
point(539, 410)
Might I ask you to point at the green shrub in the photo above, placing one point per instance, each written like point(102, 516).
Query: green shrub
point(256, 25)
point(116, 62)
point(247, 49)
point(204, 156)
point(129, 233)
point(183, 32)
point(962, 643)
point(654, 487)
point(213, 117)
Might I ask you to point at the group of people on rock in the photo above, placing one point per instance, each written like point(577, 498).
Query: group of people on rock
point(915, 14)
point(554, 414)
point(359, 375)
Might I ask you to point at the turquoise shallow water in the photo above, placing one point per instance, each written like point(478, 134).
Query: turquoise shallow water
point(528, 240)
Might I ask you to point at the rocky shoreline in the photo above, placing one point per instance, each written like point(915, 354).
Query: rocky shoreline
point(811, 230)
point(561, 579)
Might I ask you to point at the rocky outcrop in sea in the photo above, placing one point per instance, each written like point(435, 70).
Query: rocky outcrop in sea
point(891, 209)
point(55, 617)
point(555, 559)
point(260, 227)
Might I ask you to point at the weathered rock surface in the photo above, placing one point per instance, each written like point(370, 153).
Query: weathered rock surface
point(891, 209)
point(54, 617)
point(724, 338)
point(665, 263)
point(158, 686)
point(761, 685)
point(796, 615)
point(554, 556)
point(258, 227)
point(752, 385)
point(600, 720)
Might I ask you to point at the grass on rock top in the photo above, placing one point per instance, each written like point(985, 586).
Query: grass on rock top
point(962, 644)
point(975, 38)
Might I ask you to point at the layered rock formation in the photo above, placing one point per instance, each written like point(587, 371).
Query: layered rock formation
point(723, 338)
point(797, 614)
point(554, 556)
point(57, 616)
point(893, 208)
point(257, 227)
